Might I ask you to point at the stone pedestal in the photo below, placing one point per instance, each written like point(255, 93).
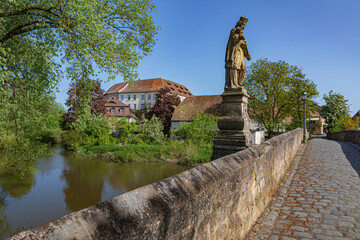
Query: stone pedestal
point(234, 124)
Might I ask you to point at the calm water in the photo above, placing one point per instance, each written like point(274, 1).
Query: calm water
point(68, 183)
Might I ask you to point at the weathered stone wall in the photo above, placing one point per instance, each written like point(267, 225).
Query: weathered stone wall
point(217, 200)
point(346, 135)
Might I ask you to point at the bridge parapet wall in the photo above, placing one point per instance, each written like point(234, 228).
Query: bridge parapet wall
point(218, 200)
point(346, 135)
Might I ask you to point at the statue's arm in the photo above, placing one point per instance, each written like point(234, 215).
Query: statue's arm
point(246, 51)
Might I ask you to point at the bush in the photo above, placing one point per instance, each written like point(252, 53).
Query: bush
point(201, 129)
point(8, 141)
point(124, 129)
point(71, 140)
point(343, 123)
point(151, 130)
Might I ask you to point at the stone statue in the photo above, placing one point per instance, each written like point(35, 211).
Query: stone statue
point(234, 122)
point(236, 51)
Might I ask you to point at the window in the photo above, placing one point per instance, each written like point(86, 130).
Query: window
point(142, 96)
point(154, 96)
point(149, 105)
point(142, 106)
point(134, 97)
point(122, 97)
point(112, 110)
point(134, 106)
point(149, 96)
point(129, 105)
point(121, 110)
point(129, 97)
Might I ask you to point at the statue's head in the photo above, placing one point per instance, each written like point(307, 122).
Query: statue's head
point(242, 22)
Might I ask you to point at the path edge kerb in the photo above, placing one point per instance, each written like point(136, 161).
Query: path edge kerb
point(218, 199)
point(263, 227)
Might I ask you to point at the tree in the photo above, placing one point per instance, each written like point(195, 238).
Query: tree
point(335, 108)
point(164, 107)
point(110, 36)
point(83, 94)
point(275, 90)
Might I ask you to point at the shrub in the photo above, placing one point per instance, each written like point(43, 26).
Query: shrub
point(201, 129)
point(151, 130)
point(124, 129)
point(71, 140)
point(8, 141)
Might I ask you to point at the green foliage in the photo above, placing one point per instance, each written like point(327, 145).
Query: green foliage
point(21, 158)
point(343, 123)
point(124, 128)
point(200, 129)
point(71, 140)
point(335, 111)
point(93, 128)
point(151, 130)
point(276, 89)
point(111, 36)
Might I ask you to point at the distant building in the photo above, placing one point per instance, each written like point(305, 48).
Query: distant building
point(142, 93)
point(115, 110)
point(316, 124)
point(185, 112)
point(357, 117)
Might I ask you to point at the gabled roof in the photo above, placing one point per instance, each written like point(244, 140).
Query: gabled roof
point(116, 88)
point(149, 85)
point(114, 102)
point(210, 104)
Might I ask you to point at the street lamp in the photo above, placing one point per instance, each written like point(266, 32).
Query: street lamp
point(304, 96)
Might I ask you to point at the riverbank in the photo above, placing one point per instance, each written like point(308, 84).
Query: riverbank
point(180, 152)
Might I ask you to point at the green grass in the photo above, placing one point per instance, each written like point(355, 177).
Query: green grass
point(172, 151)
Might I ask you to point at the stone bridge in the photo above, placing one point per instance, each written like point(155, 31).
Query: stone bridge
point(281, 189)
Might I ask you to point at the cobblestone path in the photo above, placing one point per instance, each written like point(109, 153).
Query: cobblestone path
point(321, 197)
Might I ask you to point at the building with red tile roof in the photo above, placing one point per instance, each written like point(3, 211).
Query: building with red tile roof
point(142, 93)
point(185, 112)
point(116, 109)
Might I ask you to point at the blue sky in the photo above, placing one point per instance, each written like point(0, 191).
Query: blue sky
point(321, 36)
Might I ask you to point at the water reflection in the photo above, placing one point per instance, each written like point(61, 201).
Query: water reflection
point(5, 227)
point(68, 183)
point(85, 180)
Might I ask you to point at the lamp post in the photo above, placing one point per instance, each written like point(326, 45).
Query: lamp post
point(304, 96)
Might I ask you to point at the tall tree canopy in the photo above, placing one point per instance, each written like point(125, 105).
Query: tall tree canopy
point(80, 98)
point(275, 90)
point(335, 109)
point(164, 107)
point(109, 36)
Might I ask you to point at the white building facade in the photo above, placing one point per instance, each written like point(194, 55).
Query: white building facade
point(142, 93)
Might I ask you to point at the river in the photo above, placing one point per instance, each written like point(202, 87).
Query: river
point(67, 183)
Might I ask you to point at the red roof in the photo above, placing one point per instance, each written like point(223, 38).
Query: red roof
point(116, 105)
point(117, 87)
point(149, 85)
point(114, 102)
point(210, 104)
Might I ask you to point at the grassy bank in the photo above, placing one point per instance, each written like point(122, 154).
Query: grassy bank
point(172, 151)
